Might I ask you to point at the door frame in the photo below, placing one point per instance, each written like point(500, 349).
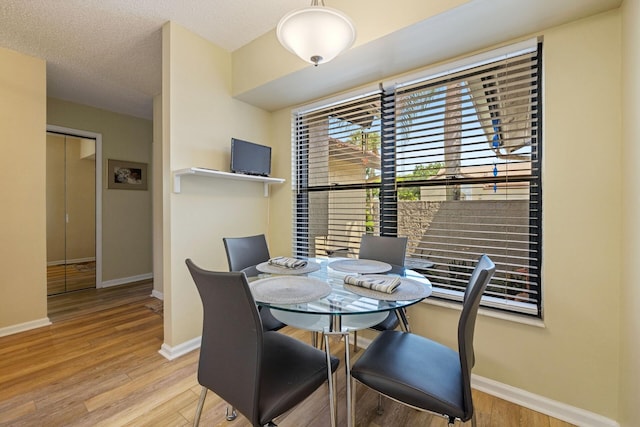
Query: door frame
point(98, 139)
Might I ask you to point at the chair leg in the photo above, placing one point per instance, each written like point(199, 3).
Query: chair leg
point(203, 396)
point(348, 383)
point(355, 341)
point(380, 408)
point(317, 339)
point(231, 415)
point(332, 397)
point(353, 401)
point(473, 419)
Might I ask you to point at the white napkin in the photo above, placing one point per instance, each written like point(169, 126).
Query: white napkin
point(286, 262)
point(387, 284)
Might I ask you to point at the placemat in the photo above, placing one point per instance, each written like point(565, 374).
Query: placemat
point(363, 266)
point(265, 267)
point(289, 289)
point(409, 289)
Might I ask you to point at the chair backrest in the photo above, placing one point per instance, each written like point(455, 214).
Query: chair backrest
point(243, 252)
point(383, 248)
point(482, 274)
point(232, 339)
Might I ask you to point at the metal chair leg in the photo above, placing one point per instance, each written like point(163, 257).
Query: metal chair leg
point(231, 416)
point(355, 341)
point(203, 395)
point(353, 400)
point(332, 402)
point(380, 408)
point(318, 341)
point(347, 364)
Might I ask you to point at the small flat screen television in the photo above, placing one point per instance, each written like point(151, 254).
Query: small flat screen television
point(250, 158)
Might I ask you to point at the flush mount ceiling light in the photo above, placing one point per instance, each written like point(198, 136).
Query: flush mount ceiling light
point(317, 34)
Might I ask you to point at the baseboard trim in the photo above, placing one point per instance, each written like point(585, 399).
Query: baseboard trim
point(157, 294)
point(125, 280)
point(552, 408)
point(26, 326)
point(171, 353)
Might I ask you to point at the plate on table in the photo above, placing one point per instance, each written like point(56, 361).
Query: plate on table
point(409, 289)
point(265, 267)
point(362, 266)
point(289, 289)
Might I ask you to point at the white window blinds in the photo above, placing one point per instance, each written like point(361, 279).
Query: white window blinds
point(451, 160)
point(337, 173)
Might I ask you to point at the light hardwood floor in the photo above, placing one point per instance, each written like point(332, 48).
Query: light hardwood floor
point(98, 365)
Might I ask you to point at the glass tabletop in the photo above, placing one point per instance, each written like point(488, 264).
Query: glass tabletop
point(341, 301)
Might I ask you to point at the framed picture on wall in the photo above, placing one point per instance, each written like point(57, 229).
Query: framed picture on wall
point(126, 175)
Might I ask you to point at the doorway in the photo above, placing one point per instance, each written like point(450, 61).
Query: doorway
point(73, 195)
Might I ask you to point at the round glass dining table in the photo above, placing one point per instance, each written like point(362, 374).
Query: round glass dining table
point(340, 308)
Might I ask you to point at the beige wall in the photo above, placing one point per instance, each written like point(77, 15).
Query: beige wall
point(630, 294)
point(280, 229)
point(23, 293)
point(199, 120)
point(574, 358)
point(160, 182)
point(126, 214)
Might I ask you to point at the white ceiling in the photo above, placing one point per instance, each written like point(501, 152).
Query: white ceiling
point(107, 53)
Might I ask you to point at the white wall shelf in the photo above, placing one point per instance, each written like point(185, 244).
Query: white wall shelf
point(178, 174)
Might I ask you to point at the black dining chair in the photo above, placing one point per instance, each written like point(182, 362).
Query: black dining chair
point(262, 374)
point(391, 250)
point(423, 373)
point(243, 254)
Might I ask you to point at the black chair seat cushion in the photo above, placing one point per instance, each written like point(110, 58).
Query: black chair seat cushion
point(413, 370)
point(291, 371)
point(389, 323)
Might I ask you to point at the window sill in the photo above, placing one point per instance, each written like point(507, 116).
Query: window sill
point(510, 317)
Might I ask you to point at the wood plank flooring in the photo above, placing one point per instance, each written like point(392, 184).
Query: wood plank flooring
point(87, 301)
point(99, 366)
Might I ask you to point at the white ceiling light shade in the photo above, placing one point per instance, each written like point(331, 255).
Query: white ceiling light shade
point(317, 34)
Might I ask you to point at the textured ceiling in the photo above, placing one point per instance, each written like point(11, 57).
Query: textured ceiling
point(108, 52)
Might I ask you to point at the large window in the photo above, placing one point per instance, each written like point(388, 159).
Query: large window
point(450, 159)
